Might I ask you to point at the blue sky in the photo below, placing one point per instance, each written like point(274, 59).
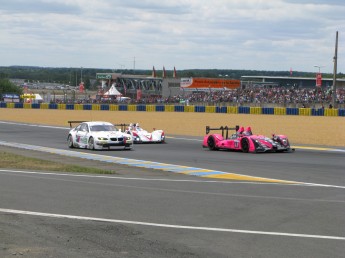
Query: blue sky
point(273, 35)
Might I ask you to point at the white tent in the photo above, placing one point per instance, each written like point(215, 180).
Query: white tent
point(38, 97)
point(113, 91)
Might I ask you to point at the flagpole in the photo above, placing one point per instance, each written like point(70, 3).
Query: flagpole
point(335, 71)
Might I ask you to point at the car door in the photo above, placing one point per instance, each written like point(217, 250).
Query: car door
point(234, 142)
point(82, 134)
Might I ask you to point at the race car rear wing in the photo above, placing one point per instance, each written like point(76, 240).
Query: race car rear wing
point(123, 127)
point(74, 122)
point(224, 129)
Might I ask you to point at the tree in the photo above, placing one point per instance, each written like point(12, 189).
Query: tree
point(8, 87)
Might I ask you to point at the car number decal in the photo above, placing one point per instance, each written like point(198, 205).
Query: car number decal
point(237, 143)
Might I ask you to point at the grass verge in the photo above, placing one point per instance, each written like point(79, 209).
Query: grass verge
point(14, 161)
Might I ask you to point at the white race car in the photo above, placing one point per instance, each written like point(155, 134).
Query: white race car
point(142, 136)
point(97, 135)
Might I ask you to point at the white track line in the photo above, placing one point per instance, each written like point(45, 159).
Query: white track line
point(53, 215)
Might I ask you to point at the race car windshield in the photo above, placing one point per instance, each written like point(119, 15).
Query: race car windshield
point(99, 128)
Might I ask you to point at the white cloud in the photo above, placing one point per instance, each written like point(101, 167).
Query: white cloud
point(224, 34)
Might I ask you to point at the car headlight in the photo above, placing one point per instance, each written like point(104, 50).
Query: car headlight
point(102, 138)
point(128, 138)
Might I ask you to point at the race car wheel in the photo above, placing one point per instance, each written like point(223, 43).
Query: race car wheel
point(70, 141)
point(211, 143)
point(245, 145)
point(91, 144)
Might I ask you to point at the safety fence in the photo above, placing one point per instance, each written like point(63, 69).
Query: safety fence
point(182, 108)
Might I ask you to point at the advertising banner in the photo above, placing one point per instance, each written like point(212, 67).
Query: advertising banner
point(9, 97)
point(208, 84)
point(105, 76)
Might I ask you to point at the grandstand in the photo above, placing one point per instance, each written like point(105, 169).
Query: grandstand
point(300, 82)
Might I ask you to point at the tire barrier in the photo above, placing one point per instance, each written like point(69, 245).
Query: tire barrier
point(255, 110)
point(181, 108)
point(317, 112)
point(27, 106)
point(210, 109)
point(160, 108)
point(139, 108)
point(44, 106)
point(123, 108)
point(105, 107)
point(53, 106)
point(268, 111)
point(221, 110)
point(279, 111)
point(331, 112)
point(200, 109)
point(244, 110)
point(88, 106)
point(292, 111)
point(232, 110)
point(71, 107)
point(189, 109)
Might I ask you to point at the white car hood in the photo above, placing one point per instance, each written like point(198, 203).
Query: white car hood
point(108, 134)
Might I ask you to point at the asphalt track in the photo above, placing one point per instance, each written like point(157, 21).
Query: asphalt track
point(315, 165)
point(198, 216)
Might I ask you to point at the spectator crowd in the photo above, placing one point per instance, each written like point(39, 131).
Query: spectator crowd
point(255, 96)
point(249, 96)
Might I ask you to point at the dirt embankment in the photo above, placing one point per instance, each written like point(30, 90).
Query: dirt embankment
point(300, 129)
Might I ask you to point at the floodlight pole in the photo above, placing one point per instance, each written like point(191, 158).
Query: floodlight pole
point(335, 71)
point(318, 66)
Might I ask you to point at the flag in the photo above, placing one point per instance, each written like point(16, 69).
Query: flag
point(81, 87)
point(139, 94)
point(175, 74)
point(164, 73)
point(153, 72)
point(318, 80)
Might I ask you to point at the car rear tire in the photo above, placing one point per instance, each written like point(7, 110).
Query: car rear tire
point(245, 145)
point(70, 141)
point(211, 143)
point(91, 144)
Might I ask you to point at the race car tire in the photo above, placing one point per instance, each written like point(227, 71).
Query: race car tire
point(70, 141)
point(245, 145)
point(91, 144)
point(211, 143)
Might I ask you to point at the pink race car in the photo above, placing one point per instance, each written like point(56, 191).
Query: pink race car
point(243, 140)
